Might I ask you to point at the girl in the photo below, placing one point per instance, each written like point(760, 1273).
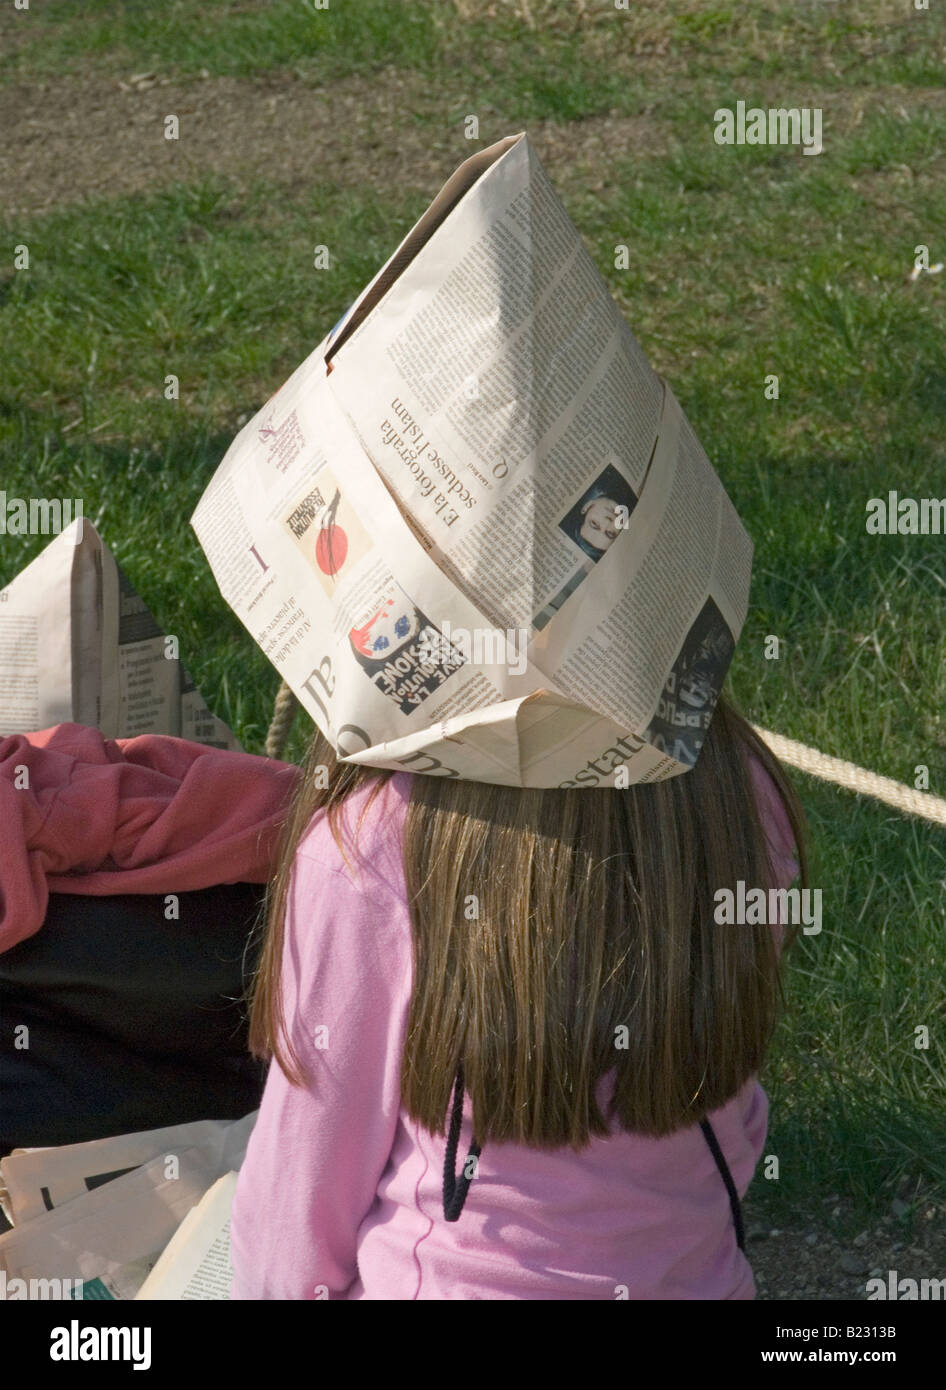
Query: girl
point(514, 1053)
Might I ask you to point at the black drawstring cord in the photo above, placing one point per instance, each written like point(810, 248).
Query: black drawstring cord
point(710, 1137)
point(454, 1191)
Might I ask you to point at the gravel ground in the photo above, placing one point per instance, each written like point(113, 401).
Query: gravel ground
point(820, 1260)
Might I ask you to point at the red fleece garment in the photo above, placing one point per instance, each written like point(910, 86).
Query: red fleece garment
point(150, 814)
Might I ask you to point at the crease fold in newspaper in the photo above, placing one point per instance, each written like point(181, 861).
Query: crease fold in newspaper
point(474, 531)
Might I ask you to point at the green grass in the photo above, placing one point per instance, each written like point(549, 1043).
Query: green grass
point(225, 37)
point(220, 292)
point(857, 1107)
point(567, 63)
point(743, 262)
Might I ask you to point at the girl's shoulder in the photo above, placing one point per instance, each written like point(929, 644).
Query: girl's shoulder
point(370, 825)
point(775, 822)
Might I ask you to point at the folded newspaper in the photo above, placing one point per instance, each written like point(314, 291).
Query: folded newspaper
point(196, 1263)
point(77, 645)
point(92, 1221)
point(474, 531)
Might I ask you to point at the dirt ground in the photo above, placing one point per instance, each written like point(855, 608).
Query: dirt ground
point(96, 136)
point(99, 136)
point(814, 1260)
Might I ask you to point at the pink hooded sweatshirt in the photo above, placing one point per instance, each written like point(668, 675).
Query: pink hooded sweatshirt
point(341, 1193)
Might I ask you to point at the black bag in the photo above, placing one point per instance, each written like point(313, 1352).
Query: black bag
point(133, 1021)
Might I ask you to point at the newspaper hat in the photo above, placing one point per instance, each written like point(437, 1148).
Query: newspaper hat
point(474, 531)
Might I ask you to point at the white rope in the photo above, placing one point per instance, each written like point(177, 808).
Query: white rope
point(854, 778)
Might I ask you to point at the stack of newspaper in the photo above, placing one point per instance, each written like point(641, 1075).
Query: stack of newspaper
point(137, 1216)
point(77, 645)
point(123, 1217)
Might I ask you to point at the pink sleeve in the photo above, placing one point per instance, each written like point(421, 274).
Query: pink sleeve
point(317, 1153)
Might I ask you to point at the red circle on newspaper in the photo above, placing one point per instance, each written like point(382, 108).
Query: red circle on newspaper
point(331, 549)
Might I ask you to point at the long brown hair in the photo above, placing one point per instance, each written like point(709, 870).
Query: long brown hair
point(559, 934)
